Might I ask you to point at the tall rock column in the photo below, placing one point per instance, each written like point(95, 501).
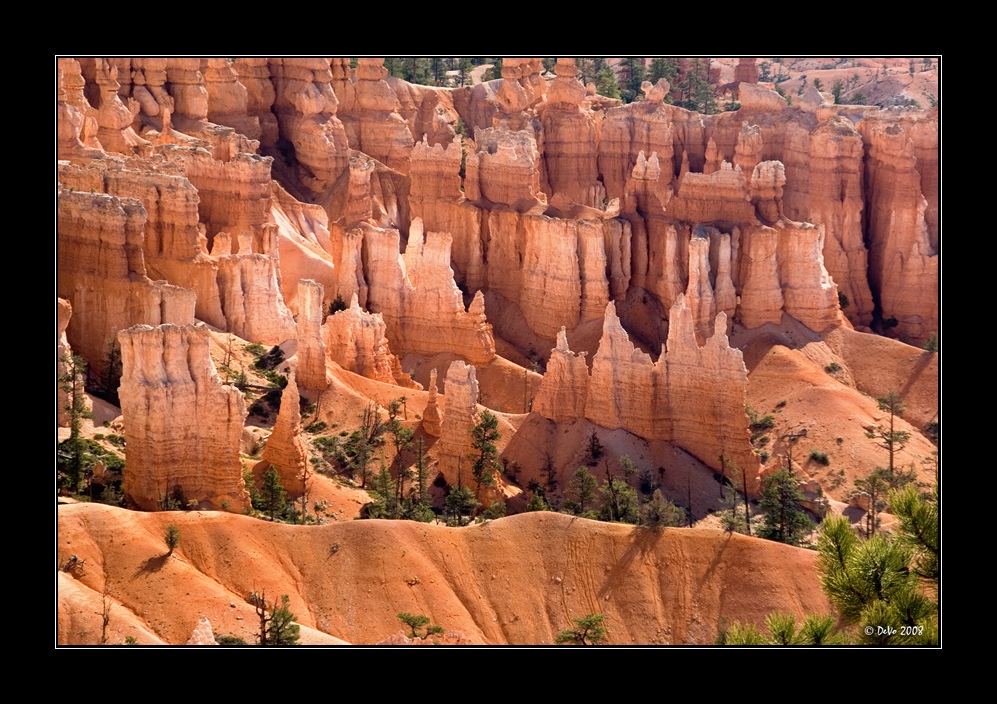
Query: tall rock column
point(286, 449)
point(101, 271)
point(432, 419)
point(182, 425)
point(311, 348)
point(571, 140)
point(564, 388)
point(824, 183)
point(461, 391)
point(903, 264)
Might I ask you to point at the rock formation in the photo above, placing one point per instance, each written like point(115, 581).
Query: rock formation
point(306, 107)
point(432, 419)
point(903, 264)
point(202, 634)
point(509, 168)
point(563, 204)
point(181, 424)
point(228, 98)
point(63, 366)
point(418, 298)
point(570, 141)
point(824, 182)
point(564, 389)
point(254, 75)
point(76, 119)
point(455, 450)
point(286, 449)
point(354, 339)
point(378, 129)
point(692, 396)
point(101, 272)
point(194, 201)
point(746, 71)
point(114, 117)
point(311, 371)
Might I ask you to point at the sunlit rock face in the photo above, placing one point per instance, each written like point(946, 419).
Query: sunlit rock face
point(182, 424)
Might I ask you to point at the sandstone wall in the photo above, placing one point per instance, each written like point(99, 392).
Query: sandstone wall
point(420, 302)
point(182, 425)
point(692, 396)
point(101, 271)
point(903, 264)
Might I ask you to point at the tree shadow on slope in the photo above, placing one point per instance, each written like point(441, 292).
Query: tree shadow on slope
point(153, 564)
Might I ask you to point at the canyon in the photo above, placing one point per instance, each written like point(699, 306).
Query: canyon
point(273, 262)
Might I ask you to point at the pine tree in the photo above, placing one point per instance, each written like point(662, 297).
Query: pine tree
point(414, 622)
point(484, 435)
point(785, 521)
point(660, 512)
point(277, 625)
point(460, 502)
point(919, 529)
point(890, 439)
point(590, 629)
point(364, 440)
point(582, 485)
point(871, 584)
point(606, 83)
point(273, 496)
point(621, 500)
point(875, 486)
point(666, 68)
point(172, 538)
point(383, 490)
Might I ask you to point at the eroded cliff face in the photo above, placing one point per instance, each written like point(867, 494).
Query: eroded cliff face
point(418, 298)
point(693, 396)
point(355, 340)
point(903, 262)
point(182, 424)
point(824, 170)
point(562, 206)
point(101, 272)
point(237, 286)
point(306, 106)
point(369, 110)
point(64, 367)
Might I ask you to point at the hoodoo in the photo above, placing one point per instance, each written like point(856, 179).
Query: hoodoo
point(485, 294)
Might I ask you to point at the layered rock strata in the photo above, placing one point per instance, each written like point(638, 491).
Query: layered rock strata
point(692, 396)
point(455, 451)
point(311, 370)
point(824, 183)
point(418, 298)
point(903, 264)
point(355, 340)
point(182, 425)
point(101, 271)
point(305, 106)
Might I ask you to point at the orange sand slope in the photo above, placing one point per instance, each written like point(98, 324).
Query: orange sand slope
point(517, 580)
